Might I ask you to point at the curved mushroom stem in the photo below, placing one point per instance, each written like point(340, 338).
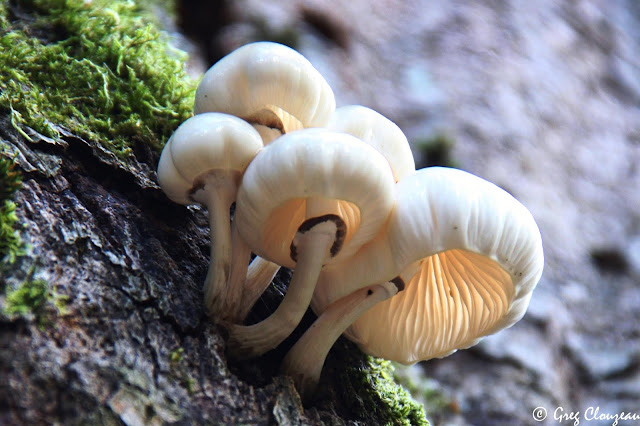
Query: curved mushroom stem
point(305, 359)
point(240, 256)
point(217, 194)
point(259, 275)
point(313, 248)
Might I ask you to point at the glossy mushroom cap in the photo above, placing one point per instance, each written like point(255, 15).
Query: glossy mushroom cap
point(269, 85)
point(353, 178)
point(378, 131)
point(205, 144)
point(469, 255)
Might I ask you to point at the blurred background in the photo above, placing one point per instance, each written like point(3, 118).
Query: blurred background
point(543, 99)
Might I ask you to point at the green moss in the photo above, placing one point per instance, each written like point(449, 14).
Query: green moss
point(179, 371)
point(425, 390)
point(371, 390)
point(98, 69)
point(31, 298)
point(11, 245)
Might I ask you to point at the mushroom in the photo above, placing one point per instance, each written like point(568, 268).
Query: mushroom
point(469, 254)
point(378, 131)
point(271, 86)
point(202, 163)
point(310, 198)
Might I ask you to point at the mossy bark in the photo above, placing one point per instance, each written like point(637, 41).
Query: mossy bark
point(131, 343)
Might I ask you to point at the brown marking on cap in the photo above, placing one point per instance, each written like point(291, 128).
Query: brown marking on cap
point(399, 283)
point(341, 232)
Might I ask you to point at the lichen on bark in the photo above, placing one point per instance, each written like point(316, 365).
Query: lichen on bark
point(89, 93)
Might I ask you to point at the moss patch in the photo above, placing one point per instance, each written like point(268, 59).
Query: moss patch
point(11, 245)
point(31, 298)
point(367, 387)
point(98, 69)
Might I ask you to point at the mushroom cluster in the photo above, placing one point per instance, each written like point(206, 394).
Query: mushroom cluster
point(409, 264)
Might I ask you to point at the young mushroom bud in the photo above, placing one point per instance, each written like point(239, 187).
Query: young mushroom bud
point(202, 163)
point(469, 254)
point(269, 85)
point(308, 199)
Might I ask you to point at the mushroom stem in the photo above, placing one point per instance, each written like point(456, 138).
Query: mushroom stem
point(259, 275)
point(218, 203)
point(240, 256)
point(305, 359)
point(313, 248)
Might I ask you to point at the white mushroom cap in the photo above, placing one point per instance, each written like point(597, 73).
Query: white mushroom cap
point(201, 145)
point(469, 255)
point(313, 163)
point(378, 131)
point(267, 84)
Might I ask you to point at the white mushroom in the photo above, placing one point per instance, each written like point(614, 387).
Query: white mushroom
point(269, 85)
point(310, 198)
point(202, 163)
point(469, 254)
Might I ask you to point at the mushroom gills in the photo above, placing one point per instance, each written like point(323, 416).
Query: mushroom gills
point(284, 219)
point(274, 117)
point(451, 299)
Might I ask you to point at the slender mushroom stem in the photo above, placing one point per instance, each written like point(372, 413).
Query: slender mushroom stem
point(305, 359)
point(240, 256)
point(259, 275)
point(217, 194)
point(313, 248)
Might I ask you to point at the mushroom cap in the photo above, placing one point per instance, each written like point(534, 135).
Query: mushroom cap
point(378, 131)
point(202, 145)
point(469, 254)
point(318, 164)
point(266, 75)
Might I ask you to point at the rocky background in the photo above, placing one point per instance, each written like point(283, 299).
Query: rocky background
point(541, 98)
